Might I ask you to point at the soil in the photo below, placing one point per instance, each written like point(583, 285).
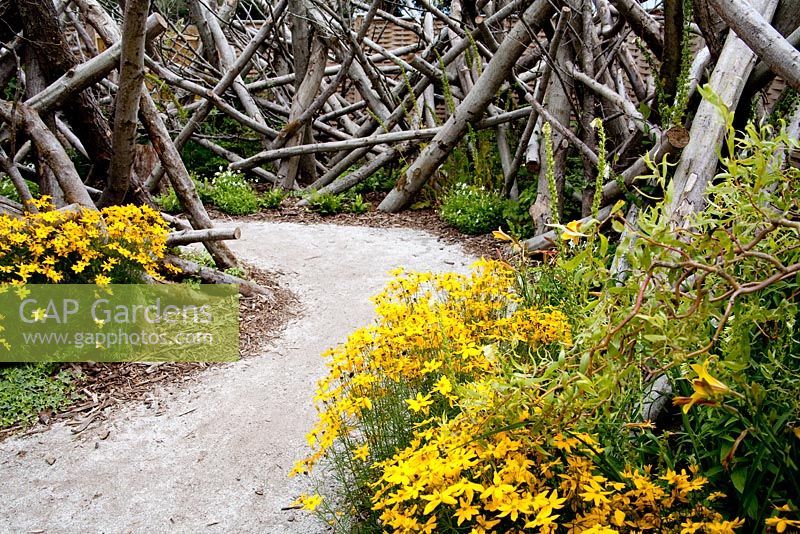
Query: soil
point(210, 451)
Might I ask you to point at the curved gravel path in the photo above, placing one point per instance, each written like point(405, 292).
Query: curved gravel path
point(212, 456)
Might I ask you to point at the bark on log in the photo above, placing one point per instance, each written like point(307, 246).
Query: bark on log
point(549, 239)
point(86, 74)
point(642, 23)
point(8, 166)
point(50, 150)
point(46, 38)
point(131, 79)
point(470, 109)
point(213, 276)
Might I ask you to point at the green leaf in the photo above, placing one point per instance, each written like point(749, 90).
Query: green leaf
point(739, 479)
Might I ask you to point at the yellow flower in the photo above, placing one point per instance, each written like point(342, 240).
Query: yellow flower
point(438, 497)
point(102, 280)
point(361, 452)
point(572, 232)
point(705, 388)
point(781, 523)
point(420, 403)
point(308, 502)
point(465, 511)
point(39, 314)
point(594, 493)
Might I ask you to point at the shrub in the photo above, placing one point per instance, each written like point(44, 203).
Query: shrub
point(355, 203)
point(115, 244)
point(519, 399)
point(382, 181)
point(232, 194)
point(169, 202)
point(448, 414)
point(272, 199)
point(472, 209)
point(8, 190)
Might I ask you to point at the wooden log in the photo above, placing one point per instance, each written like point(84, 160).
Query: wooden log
point(86, 74)
point(219, 89)
point(227, 58)
point(126, 104)
point(642, 23)
point(8, 166)
point(360, 142)
point(699, 159)
point(212, 276)
point(762, 38)
point(50, 150)
point(233, 157)
point(549, 239)
point(10, 207)
point(185, 237)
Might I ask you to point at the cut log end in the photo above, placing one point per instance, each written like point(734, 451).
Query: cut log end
point(678, 136)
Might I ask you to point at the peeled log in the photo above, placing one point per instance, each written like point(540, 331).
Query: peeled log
point(185, 237)
point(698, 162)
point(762, 38)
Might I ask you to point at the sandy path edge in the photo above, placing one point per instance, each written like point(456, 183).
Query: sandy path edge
point(213, 455)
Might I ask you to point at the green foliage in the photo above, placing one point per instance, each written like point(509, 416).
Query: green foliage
point(516, 213)
point(272, 198)
point(330, 204)
point(8, 190)
point(472, 209)
point(325, 203)
point(26, 390)
point(11, 90)
point(719, 298)
point(232, 194)
point(710, 307)
point(236, 271)
point(355, 203)
point(168, 202)
point(228, 190)
point(382, 181)
point(228, 134)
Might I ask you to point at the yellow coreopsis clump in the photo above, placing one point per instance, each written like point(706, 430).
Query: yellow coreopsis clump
point(87, 246)
point(445, 416)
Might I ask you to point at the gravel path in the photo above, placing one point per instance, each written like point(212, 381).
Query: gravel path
point(212, 456)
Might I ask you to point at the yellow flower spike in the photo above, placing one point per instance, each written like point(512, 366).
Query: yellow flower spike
point(572, 232)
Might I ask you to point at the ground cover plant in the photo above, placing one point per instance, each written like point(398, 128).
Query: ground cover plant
point(649, 387)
